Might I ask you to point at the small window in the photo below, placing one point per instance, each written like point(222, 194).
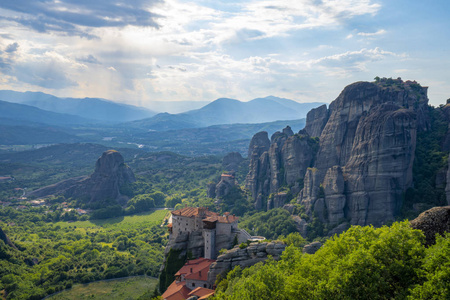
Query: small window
point(204, 285)
point(193, 284)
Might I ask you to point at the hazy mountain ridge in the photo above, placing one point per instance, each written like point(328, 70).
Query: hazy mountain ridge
point(15, 114)
point(229, 111)
point(89, 108)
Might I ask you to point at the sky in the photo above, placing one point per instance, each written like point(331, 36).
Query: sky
point(137, 51)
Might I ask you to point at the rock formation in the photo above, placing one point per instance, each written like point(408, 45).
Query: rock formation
point(223, 187)
point(246, 257)
point(281, 164)
point(362, 164)
point(312, 247)
point(6, 239)
point(316, 119)
point(433, 221)
point(109, 175)
point(231, 161)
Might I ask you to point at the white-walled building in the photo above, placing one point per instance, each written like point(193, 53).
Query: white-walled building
point(218, 231)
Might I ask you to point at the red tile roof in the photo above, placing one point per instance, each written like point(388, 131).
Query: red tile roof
point(176, 291)
point(193, 211)
point(200, 292)
point(204, 212)
point(199, 265)
point(226, 218)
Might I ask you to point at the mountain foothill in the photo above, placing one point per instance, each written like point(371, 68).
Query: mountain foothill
point(347, 175)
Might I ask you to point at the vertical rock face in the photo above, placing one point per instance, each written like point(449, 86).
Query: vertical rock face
point(334, 188)
point(226, 183)
point(447, 187)
point(109, 175)
point(363, 164)
point(311, 190)
point(297, 156)
point(283, 164)
point(231, 161)
point(258, 177)
point(380, 166)
point(316, 119)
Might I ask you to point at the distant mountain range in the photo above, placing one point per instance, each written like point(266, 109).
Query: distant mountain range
point(20, 114)
point(95, 109)
point(229, 111)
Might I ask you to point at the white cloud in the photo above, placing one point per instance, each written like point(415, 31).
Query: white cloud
point(372, 34)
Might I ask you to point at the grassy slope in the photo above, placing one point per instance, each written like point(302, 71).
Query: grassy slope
point(128, 288)
point(124, 222)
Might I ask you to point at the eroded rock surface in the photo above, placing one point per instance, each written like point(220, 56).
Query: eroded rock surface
point(109, 175)
point(245, 257)
point(362, 165)
point(433, 221)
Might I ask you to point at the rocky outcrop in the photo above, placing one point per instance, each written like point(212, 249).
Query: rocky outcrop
point(447, 187)
point(379, 169)
point(316, 119)
point(246, 257)
point(334, 189)
point(277, 200)
point(6, 239)
point(433, 221)
point(232, 161)
point(226, 183)
point(312, 247)
point(283, 164)
point(109, 175)
point(258, 177)
point(362, 165)
point(311, 191)
point(297, 156)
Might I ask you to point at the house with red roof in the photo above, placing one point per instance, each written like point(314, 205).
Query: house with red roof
point(191, 280)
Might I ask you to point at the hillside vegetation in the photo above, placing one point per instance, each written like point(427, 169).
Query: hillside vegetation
point(362, 263)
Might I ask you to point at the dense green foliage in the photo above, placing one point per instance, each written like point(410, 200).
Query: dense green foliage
point(362, 263)
point(54, 256)
point(174, 261)
point(429, 160)
point(270, 224)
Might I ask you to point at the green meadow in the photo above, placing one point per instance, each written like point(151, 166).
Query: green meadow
point(123, 222)
point(127, 288)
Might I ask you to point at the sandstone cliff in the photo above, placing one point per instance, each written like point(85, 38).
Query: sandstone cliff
point(280, 165)
point(363, 163)
point(109, 175)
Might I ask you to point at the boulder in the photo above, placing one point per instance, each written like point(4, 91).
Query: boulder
point(312, 247)
point(433, 221)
